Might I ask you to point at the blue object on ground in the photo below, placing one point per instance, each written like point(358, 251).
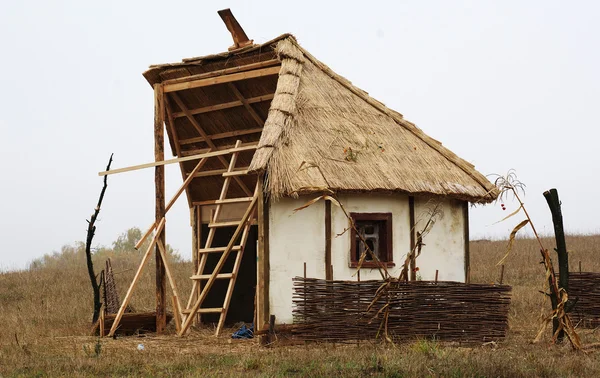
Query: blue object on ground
point(244, 332)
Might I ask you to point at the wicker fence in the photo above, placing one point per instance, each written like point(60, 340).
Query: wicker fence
point(585, 287)
point(450, 311)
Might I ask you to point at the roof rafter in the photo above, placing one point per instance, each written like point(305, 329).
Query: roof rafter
point(246, 103)
point(225, 105)
point(227, 134)
point(208, 139)
point(269, 71)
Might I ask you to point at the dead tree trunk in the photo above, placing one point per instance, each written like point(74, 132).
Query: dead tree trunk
point(91, 231)
point(561, 249)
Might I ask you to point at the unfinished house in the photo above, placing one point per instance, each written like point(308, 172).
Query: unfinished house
point(260, 131)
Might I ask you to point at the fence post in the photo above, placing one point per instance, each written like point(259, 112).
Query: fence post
point(501, 274)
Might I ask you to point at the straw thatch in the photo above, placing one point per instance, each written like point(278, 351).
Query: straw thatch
point(319, 118)
point(315, 117)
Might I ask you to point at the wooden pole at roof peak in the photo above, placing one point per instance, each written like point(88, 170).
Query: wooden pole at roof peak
point(240, 39)
point(159, 181)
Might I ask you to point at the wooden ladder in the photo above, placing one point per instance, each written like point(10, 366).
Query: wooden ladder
point(203, 281)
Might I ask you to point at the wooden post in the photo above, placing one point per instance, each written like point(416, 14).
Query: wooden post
point(501, 274)
point(579, 266)
point(271, 328)
point(561, 249)
point(436, 275)
point(101, 324)
point(466, 240)
point(327, 239)
point(159, 181)
point(413, 239)
point(262, 266)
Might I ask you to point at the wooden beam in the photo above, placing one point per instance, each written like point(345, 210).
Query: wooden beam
point(268, 71)
point(228, 134)
point(175, 141)
point(163, 255)
point(240, 39)
point(173, 200)
point(205, 150)
point(208, 140)
point(222, 202)
point(262, 266)
point(159, 181)
point(328, 276)
point(259, 121)
point(178, 160)
point(134, 282)
point(218, 172)
point(467, 242)
point(225, 105)
point(224, 71)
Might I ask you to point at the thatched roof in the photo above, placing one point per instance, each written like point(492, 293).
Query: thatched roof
point(320, 131)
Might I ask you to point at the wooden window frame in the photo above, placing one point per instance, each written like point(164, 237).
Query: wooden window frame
point(388, 242)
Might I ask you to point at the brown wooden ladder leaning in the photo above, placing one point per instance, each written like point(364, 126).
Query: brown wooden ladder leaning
point(205, 280)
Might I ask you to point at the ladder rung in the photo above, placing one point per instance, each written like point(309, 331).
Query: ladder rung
point(223, 201)
point(215, 310)
point(235, 173)
point(224, 224)
point(218, 249)
point(207, 276)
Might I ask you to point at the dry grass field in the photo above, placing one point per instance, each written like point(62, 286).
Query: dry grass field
point(45, 315)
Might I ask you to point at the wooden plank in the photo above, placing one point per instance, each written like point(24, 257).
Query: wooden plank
point(217, 249)
point(259, 121)
point(235, 173)
point(225, 71)
point(136, 277)
point(413, 238)
point(208, 140)
point(327, 239)
point(173, 199)
point(467, 242)
point(225, 105)
point(178, 160)
point(159, 185)
point(207, 276)
point(240, 39)
point(223, 224)
point(220, 148)
point(269, 71)
point(220, 264)
point(223, 202)
point(209, 310)
point(176, 313)
point(163, 255)
point(195, 222)
point(219, 172)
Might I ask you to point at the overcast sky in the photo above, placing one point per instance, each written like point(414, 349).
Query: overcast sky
point(504, 84)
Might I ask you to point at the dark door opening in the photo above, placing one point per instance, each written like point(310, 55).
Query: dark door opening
point(241, 307)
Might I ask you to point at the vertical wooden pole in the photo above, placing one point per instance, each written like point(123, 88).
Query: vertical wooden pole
point(413, 239)
point(579, 266)
point(501, 274)
point(436, 275)
point(466, 239)
point(327, 239)
point(262, 266)
point(561, 250)
point(159, 181)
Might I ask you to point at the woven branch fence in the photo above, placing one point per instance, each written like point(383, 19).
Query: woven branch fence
point(450, 311)
point(585, 287)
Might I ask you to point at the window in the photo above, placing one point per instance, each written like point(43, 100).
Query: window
point(376, 229)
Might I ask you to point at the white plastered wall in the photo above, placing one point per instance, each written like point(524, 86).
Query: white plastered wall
point(444, 248)
point(294, 238)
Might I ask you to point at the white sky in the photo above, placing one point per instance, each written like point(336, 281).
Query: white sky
point(504, 84)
